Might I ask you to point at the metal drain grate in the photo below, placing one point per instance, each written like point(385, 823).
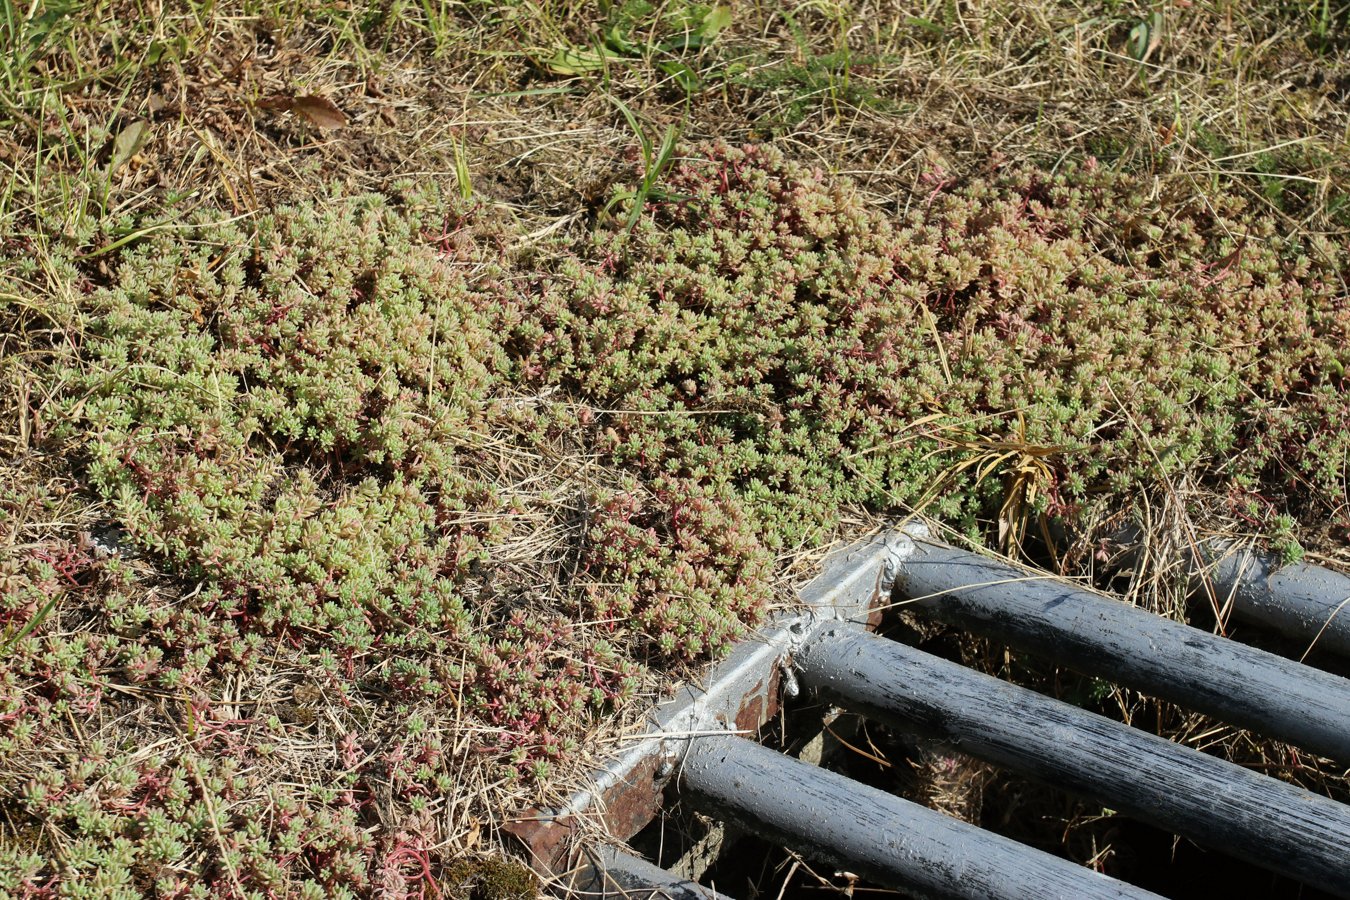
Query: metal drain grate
point(697, 747)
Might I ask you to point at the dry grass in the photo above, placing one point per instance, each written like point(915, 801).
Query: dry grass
point(1228, 97)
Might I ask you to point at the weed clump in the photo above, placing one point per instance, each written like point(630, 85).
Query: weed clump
point(301, 645)
point(296, 416)
point(767, 334)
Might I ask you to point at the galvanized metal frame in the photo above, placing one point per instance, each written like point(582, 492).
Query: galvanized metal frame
point(739, 694)
point(728, 775)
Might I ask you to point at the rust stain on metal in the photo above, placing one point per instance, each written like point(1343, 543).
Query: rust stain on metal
point(628, 806)
point(773, 693)
point(545, 837)
point(751, 714)
point(876, 607)
point(633, 802)
point(760, 703)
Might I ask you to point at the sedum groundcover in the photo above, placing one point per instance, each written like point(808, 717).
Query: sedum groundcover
point(398, 514)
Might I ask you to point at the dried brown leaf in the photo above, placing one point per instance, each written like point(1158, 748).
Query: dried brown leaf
point(319, 111)
point(281, 102)
point(128, 143)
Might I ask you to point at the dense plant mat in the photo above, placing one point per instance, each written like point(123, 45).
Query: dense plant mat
point(346, 512)
point(346, 450)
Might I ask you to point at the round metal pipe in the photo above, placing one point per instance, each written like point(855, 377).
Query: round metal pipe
point(1101, 636)
point(874, 834)
point(1208, 800)
point(1308, 603)
point(615, 874)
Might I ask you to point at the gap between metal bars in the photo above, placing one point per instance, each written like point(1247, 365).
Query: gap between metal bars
point(901, 844)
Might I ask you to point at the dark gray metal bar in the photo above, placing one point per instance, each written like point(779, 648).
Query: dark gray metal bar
point(1101, 636)
point(1208, 800)
point(1308, 603)
point(615, 874)
point(892, 841)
